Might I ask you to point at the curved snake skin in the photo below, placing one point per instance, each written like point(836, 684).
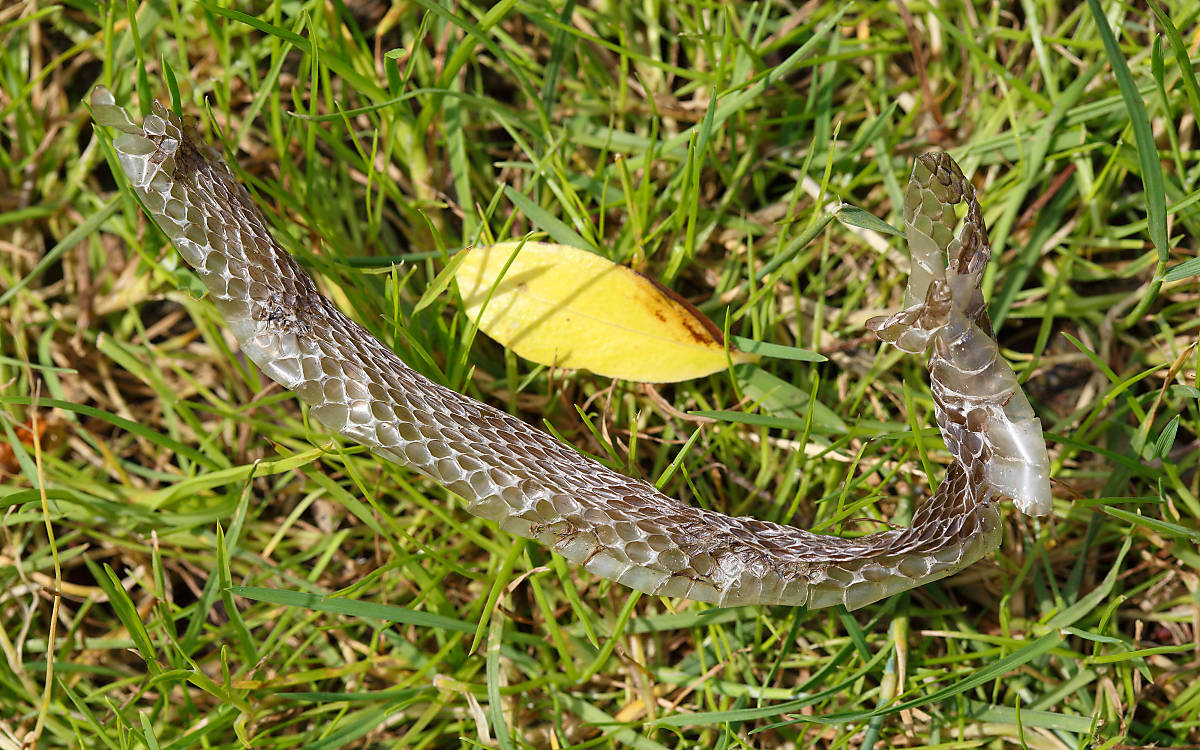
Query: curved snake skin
point(536, 487)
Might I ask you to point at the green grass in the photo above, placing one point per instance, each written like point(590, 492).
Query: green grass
point(230, 577)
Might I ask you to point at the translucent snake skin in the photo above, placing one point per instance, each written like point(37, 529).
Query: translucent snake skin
point(536, 487)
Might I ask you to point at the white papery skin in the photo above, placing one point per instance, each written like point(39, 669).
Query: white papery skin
point(535, 486)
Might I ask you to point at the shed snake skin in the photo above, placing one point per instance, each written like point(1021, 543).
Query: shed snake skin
point(534, 486)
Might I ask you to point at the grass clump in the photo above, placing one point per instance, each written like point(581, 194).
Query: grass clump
point(187, 562)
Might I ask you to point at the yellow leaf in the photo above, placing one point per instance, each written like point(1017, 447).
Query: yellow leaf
point(562, 306)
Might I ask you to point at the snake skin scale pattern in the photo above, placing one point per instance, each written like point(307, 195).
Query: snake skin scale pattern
point(536, 487)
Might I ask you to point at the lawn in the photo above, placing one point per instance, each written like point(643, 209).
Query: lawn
point(187, 560)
